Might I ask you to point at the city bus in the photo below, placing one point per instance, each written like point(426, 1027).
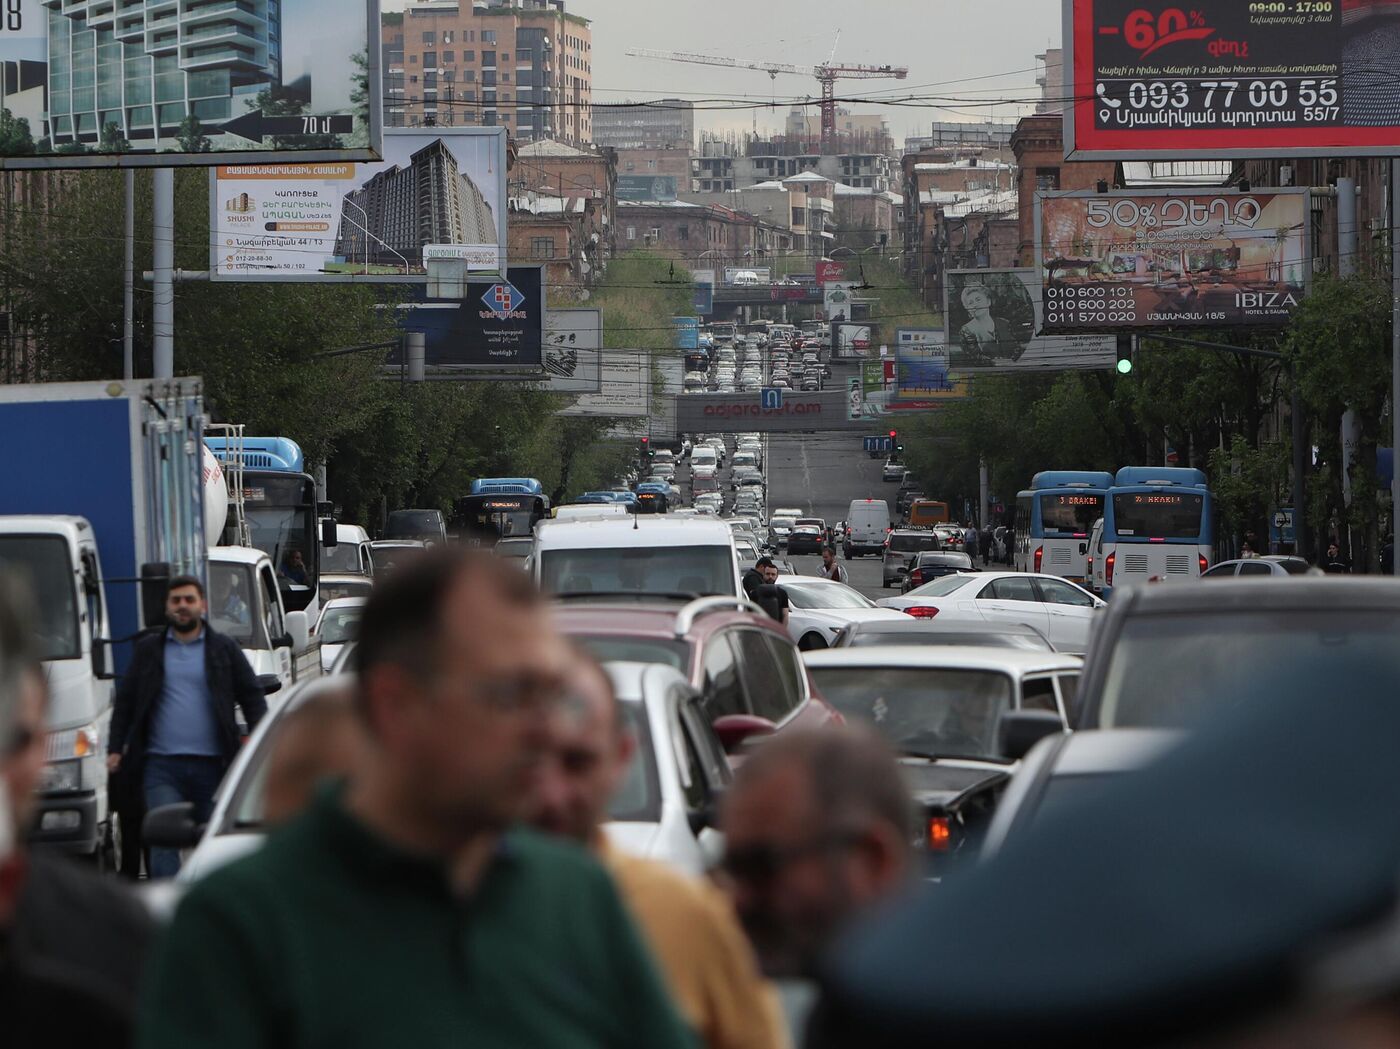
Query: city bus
point(1158, 526)
point(1053, 521)
point(499, 508)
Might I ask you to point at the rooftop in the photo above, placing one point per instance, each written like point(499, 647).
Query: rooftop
point(550, 148)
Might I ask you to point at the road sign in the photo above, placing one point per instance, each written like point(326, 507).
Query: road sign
point(256, 126)
point(879, 444)
point(1282, 531)
point(772, 399)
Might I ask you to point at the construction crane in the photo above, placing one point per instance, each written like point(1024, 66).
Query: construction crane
point(827, 74)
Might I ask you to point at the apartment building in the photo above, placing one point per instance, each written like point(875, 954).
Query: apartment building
point(523, 64)
point(667, 123)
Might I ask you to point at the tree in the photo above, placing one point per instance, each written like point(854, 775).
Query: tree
point(277, 101)
point(191, 136)
point(15, 138)
point(113, 139)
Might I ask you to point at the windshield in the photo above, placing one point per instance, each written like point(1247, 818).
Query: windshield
point(1070, 513)
point(831, 595)
point(907, 544)
point(413, 524)
point(344, 588)
point(971, 639)
point(42, 563)
point(637, 650)
point(230, 604)
point(1150, 685)
point(514, 547)
point(387, 558)
point(281, 514)
point(638, 799)
point(341, 559)
point(697, 570)
point(941, 587)
point(1158, 515)
point(340, 625)
point(922, 710)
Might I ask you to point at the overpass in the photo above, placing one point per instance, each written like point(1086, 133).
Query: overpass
point(730, 298)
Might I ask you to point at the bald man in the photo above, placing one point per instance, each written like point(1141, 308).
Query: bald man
point(689, 925)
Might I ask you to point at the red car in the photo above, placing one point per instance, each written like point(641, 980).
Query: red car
point(746, 667)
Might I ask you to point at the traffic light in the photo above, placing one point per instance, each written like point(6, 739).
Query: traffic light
point(1125, 355)
point(894, 434)
point(646, 447)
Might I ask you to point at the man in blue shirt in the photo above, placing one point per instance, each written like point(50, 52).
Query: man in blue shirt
point(173, 727)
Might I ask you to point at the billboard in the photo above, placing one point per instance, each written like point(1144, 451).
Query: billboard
point(625, 390)
point(704, 301)
point(728, 412)
point(830, 272)
point(573, 351)
point(152, 83)
point(764, 273)
point(499, 325)
point(993, 317)
point(437, 195)
point(837, 297)
point(687, 332)
point(916, 380)
point(648, 188)
point(1236, 79)
point(1156, 258)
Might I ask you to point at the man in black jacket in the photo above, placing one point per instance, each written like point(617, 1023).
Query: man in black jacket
point(173, 724)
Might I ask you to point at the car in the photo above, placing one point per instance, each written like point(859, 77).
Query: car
point(901, 546)
point(908, 494)
point(926, 567)
point(349, 556)
point(703, 471)
point(931, 632)
point(811, 385)
point(1062, 611)
point(515, 547)
point(949, 713)
point(386, 554)
point(893, 470)
point(666, 806)
point(337, 626)
point(951, 536)
point(1064, 769)
point(1269, 566)
point(819, 609)
point(746, 667)
point(805, 539)
point(334, 586)
point(1156, 647)
point(747, 551)
point(635, 558)
point(779, 528)
point(790, 511)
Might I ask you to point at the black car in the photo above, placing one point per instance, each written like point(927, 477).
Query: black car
point(931, 565)
point(805, 539)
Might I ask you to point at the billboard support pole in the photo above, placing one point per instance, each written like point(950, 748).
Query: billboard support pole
point(129, 282)
point(1394, 339)
point(1346, 267)
point(415, 354)
point(163, 237)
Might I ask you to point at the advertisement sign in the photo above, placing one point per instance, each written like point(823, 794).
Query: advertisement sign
point(439, 196)
point(993, 317)
point(1157, 258)
point(687, 332)
point(499, 325)
point(625, 390)
point(915, 381)
point(837, 298)
point(830, 272)
point(670, 370)
point(152, 83)
point(730, 412)
point(1181, 80)
point(647, 188)
point(855, 399)
point(763, 273)
point(573, 344)
point(704, 302)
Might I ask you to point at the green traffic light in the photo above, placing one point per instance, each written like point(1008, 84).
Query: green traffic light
point(1125, 367)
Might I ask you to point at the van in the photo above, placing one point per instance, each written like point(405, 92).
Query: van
point(925, 513)
point(704, 455)
point(867, 524)
point(661, 556)
point(746, 278)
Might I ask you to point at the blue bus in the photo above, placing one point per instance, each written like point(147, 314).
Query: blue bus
point(499, 508)
point(1158, 526)
point(1054, 519)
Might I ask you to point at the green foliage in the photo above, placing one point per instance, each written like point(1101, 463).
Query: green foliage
point(15, 137)
point(191, 136)
point(277, 101)
point(113, 140)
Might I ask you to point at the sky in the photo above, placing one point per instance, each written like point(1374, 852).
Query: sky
point(944, 43)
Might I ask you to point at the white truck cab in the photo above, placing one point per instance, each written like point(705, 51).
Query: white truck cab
point(246, 604)
point(676, 557)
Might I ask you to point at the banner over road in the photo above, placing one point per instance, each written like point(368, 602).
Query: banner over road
point(1125, 261)
point(1183, 80)
point(744, 412)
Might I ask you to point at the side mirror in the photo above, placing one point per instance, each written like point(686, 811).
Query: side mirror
point(155, 581)
point(172, 827)
point(298, 629)
point(102, 659)
point(1020, 730)
point(737, 730)
point(328, 533)
point(269, 683)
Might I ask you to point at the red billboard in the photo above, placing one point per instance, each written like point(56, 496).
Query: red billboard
point(831, 272)
point(1210, 79)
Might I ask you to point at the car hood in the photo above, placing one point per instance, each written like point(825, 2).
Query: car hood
point(635, 839)
point(945, 783)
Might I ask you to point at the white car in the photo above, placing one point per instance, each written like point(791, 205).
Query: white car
point(665, 808)
point(819, 609)
point(1062, 611)
point(338, 627)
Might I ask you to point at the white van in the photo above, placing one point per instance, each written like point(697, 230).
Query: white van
point(684, 557)
point(867, 525)
point(703, 455)
point(746, 278)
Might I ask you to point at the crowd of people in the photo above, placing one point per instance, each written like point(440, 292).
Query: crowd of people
point(438, 872)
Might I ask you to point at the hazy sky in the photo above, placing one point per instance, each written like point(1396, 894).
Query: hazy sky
point(944, 43)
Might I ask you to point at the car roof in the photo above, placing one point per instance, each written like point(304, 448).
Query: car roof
point(1116, 750)
point(632, 532)
point(935, 657)
point(1308, 593)
point(650, 619)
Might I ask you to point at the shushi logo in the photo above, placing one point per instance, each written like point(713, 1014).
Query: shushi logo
point(503, 302)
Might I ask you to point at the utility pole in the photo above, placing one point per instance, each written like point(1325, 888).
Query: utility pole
point(1395, 340)
point(129, 282)
point(1346, 267)
point(163, 235)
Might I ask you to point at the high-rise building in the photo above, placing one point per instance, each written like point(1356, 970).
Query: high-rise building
point(667, 123)
point(145, 66)
point(400, 210)
point(524, 64)
point(1051, 81)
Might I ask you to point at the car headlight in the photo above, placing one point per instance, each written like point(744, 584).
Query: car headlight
point(61, 777)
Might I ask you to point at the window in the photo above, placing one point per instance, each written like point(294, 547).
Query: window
point(447, 36)
point(525, 54)
point(764, 684)
point(1069, 689)
point(488, 58)
point(1057, 593)
point(655, 233)
point(488, 77)
point(1218, 572)
point(1038, 694)
point(430, 37)
point(468, 56)
point(272, 603)
point(488, 36)
point(631, 232)
point(683, 232)
point(1015, 588)
point(799, 216)
point(505, 78)
point(790, 672)
point(723, 692)
point(413, 60)
point(542, 247)
point(1255, 568)
point(449, 58)
point(505, 56)
point(430, 58)
point(1047, 178)
point(430, 80)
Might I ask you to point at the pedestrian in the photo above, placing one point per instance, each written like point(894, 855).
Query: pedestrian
point(817, 829)
point(1247, 551)
point(406, 907)
point(767, 594)
point(72, 945)
point(970, 542)
point(321, 739)
point(831, 568)
point(173, 729)
point(1334, 563)
point(689, 924)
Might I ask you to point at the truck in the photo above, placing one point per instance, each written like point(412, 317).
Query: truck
point(104, 501)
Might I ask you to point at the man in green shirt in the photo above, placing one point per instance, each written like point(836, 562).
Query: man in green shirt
point(402, 909)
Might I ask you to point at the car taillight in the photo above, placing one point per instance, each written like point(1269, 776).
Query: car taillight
point(917, 577)
point(1039, 557)
point(1108, 568)
point(921, 612)
point(940, 834)
point(1205, 563)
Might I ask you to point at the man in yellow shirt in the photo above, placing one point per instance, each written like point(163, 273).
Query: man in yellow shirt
point(688, 923)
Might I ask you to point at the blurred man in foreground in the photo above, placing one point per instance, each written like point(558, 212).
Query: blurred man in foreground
point(321, 739)
point(689, 925)
point(403, 908)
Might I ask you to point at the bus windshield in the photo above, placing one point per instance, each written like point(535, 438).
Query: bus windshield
point(1070, 513)
point(281, 513)
point(1158, 515)
point(492, 517)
